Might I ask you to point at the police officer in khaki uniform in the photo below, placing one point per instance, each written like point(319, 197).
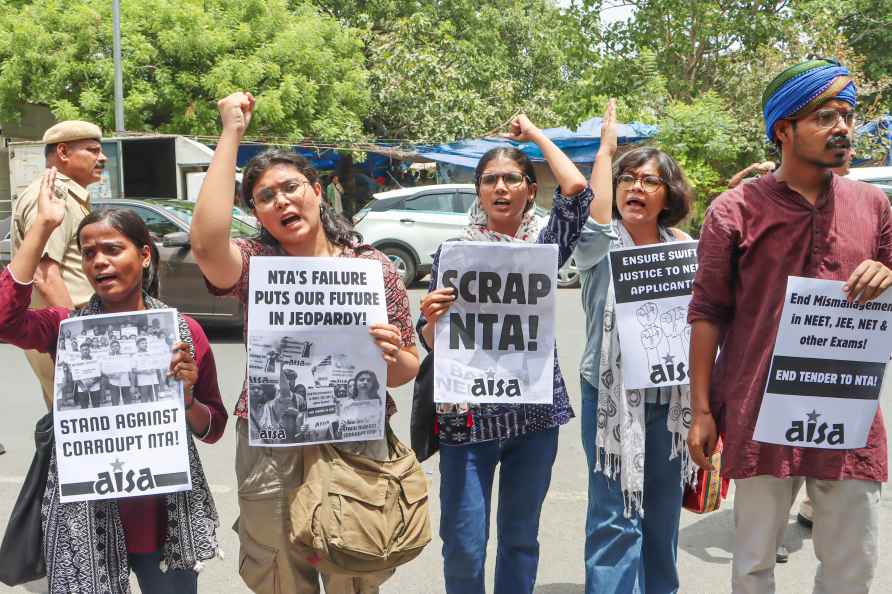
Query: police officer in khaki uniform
point(74, 149)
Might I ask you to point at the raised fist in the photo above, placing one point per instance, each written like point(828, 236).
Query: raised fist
point(236, 111)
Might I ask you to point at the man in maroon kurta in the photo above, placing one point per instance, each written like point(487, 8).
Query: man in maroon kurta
point(800, 221)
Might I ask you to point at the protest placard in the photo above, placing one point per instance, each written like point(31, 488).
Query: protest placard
point(827, 368)
point(115, 437)
point(310, 351)
point(652, 285)
point(496, 343)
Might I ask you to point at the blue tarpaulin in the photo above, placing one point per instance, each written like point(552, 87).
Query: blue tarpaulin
point(882, 129)
point(580, 145)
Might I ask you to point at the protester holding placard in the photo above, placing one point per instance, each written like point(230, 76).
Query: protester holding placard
point(800, 221)
point(89, 542)
point(282, 190)
point(633, 438)
point(475, 439)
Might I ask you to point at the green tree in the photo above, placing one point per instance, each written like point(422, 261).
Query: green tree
point(179, 56)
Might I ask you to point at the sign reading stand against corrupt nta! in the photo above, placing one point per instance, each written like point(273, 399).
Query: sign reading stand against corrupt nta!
point(496, 342)
point(827, 368)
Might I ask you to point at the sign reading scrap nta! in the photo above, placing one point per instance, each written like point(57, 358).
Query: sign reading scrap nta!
point(827, 368)
point(653, 286)
point(496, 342)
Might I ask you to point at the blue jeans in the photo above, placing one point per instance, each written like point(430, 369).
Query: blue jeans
point(466, 474)
point(632, 555)
point(148, 572)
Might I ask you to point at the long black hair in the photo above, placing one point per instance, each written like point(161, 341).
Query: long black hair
point(130, 225)
point(679, 194)
point(519, 157)
point(337, 228)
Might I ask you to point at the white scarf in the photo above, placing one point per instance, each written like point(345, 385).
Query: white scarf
point(621, 418)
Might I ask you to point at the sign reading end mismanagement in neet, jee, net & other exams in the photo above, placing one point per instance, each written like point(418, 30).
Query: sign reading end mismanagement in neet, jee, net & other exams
point(119, 422)
point(827, 367)
point(652, 285)
point(314, 372)
point(496, 342)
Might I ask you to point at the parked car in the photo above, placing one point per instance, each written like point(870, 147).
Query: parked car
point(409, 224)
point(181, 282)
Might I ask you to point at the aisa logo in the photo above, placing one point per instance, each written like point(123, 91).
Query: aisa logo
point(815, 432)
point(119, 481)
point(495, 388)
point(670, 371)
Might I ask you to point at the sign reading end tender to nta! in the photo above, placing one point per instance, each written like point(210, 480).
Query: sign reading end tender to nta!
point(827, 368)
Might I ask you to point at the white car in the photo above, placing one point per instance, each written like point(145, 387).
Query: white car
point(881, 177)
point(409, 224)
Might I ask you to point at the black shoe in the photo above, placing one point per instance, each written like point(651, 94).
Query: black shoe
point(803, 521)
point(2, 449)
point(782, 555)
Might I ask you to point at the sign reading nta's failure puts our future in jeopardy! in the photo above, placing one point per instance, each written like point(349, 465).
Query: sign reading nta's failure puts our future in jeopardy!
point(314, 372)
point(827, 367)
point(496, 342)
point(653, 286)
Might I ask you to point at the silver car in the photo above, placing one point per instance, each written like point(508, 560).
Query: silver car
point(409, 224)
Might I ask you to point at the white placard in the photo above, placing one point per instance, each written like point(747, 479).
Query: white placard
point(652, 285)
point(114, 440)
point(310, 351)
point(827, 368)
point(496, 342)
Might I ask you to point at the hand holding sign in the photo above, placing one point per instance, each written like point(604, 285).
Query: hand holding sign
point(868, 282)
point(183, 368)
point(388, 339)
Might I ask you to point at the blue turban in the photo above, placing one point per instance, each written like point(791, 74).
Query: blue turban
point(800, 88)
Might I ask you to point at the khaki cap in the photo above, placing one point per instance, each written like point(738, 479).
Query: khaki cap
point(71, 130)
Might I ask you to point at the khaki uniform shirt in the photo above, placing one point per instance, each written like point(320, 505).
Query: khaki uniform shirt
point(62, 244)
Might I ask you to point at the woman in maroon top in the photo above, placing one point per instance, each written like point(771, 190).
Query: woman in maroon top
point(283, 192)
point(120, 262)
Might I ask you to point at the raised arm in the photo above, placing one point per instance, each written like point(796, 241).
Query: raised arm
point(601, 209)
point(50, 214)
point(569, 178)
point(218, 258)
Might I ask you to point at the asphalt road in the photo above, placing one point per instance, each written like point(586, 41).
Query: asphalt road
point(704, 541)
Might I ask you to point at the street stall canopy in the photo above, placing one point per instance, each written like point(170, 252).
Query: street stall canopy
point(580, 145)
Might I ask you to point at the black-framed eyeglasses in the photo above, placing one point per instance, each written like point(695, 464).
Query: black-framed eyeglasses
point(512, 179)
point(290, 189)
point(829, 118)
point(649, 183)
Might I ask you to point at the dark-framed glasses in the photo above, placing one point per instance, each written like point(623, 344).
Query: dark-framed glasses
point(290, 189)
point(649, 183)
point(512, 179)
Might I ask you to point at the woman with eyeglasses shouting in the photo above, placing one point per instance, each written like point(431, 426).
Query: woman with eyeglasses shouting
point(282, 190)
point(522, 438)
point(637, 200)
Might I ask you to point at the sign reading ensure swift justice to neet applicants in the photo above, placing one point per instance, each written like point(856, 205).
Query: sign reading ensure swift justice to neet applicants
point(653, 286)
point(119, 422)
point(827, 367)
point(496, 342)
point(314, 372)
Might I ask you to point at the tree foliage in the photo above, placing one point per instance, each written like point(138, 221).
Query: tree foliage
point(179, 56)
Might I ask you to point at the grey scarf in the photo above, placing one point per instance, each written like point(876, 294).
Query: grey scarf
point(621, 419)
point(84, 544)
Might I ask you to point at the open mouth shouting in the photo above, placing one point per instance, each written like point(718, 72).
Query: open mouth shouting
point(290, 220)
point(502, 203)
point(105, 280)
